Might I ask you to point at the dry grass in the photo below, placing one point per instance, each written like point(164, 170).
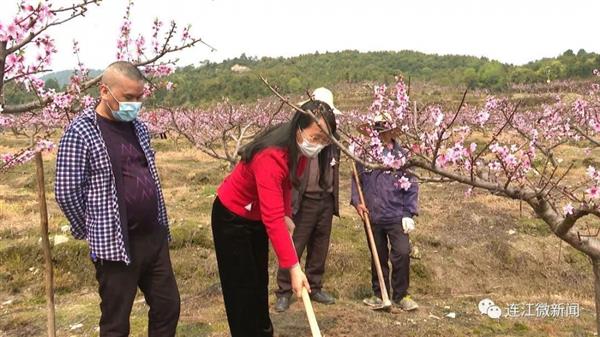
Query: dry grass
point(468, 254)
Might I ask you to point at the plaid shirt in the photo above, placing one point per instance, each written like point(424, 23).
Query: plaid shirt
point(85, 186)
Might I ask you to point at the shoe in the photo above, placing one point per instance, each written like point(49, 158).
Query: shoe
point(373, 301)
point(322, 297)
point(407, 304)
point(282, 304)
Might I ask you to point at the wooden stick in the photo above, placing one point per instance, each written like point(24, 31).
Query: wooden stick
point(310, 314)
point(382, 282)
point(48, 268)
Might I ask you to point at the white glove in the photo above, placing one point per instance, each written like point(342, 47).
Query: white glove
point(408, 224)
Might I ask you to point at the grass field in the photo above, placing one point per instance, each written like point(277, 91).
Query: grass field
point(475, 248)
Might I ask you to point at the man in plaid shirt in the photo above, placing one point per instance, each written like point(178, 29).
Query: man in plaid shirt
point(108, 187)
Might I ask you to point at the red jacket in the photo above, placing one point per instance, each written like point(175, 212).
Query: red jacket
point(261, 190)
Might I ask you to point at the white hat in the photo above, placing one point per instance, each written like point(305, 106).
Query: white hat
point(324, 95)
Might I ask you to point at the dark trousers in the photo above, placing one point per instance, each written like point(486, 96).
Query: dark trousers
point(242, 250)
point(150, 270)
point(313, 230)
point(393, 245)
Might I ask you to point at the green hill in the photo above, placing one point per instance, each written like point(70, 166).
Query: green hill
point(237, 78)
point(63, 77)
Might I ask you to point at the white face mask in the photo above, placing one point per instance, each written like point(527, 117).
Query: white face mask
point(309, 149)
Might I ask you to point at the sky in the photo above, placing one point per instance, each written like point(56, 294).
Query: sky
point(511, 31)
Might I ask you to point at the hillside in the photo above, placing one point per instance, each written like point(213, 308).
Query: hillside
point(62, 78)
point(237, 79)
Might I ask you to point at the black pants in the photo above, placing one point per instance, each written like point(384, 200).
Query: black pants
point(398, 253)
point(313, 230)
point(150, 270)
point(242, 250)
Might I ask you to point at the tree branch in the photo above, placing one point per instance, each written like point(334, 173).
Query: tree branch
point(563, 227)
point(586, 136)
point(79, 10)
point(444, 129)
point(331, 137)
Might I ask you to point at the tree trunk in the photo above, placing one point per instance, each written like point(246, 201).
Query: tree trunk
point(596, 264)
point(49, 273)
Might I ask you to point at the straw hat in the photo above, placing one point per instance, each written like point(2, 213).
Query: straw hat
point(381, 124)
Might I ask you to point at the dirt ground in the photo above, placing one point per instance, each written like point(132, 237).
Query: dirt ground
point(472, 248)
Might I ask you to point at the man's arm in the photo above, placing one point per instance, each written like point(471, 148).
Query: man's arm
point(361, 209)
point(354, 197)
point(71, 167)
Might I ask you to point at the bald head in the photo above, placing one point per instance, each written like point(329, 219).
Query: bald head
point(121, 82)
point(117, 71)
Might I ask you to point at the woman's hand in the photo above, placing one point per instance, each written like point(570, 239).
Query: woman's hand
point(290, 224)
point(299, 280)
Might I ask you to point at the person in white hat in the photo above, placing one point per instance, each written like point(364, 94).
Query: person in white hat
point(314, 203)
point(326, 96)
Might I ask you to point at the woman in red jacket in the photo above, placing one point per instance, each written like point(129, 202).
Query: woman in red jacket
point(253, 205)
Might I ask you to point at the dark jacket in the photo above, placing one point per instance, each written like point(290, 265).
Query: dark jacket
point(386, 201)
point(297, 194)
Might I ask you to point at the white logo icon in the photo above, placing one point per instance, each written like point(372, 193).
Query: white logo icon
point(488, 307)
point(494, 312)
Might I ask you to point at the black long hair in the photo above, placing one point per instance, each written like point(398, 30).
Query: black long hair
point(284, 136)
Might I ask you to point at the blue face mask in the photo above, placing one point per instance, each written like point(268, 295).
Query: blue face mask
point(128, 111)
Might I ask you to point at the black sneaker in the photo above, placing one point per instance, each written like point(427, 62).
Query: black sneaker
point(322, 297)
point(282, 304)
